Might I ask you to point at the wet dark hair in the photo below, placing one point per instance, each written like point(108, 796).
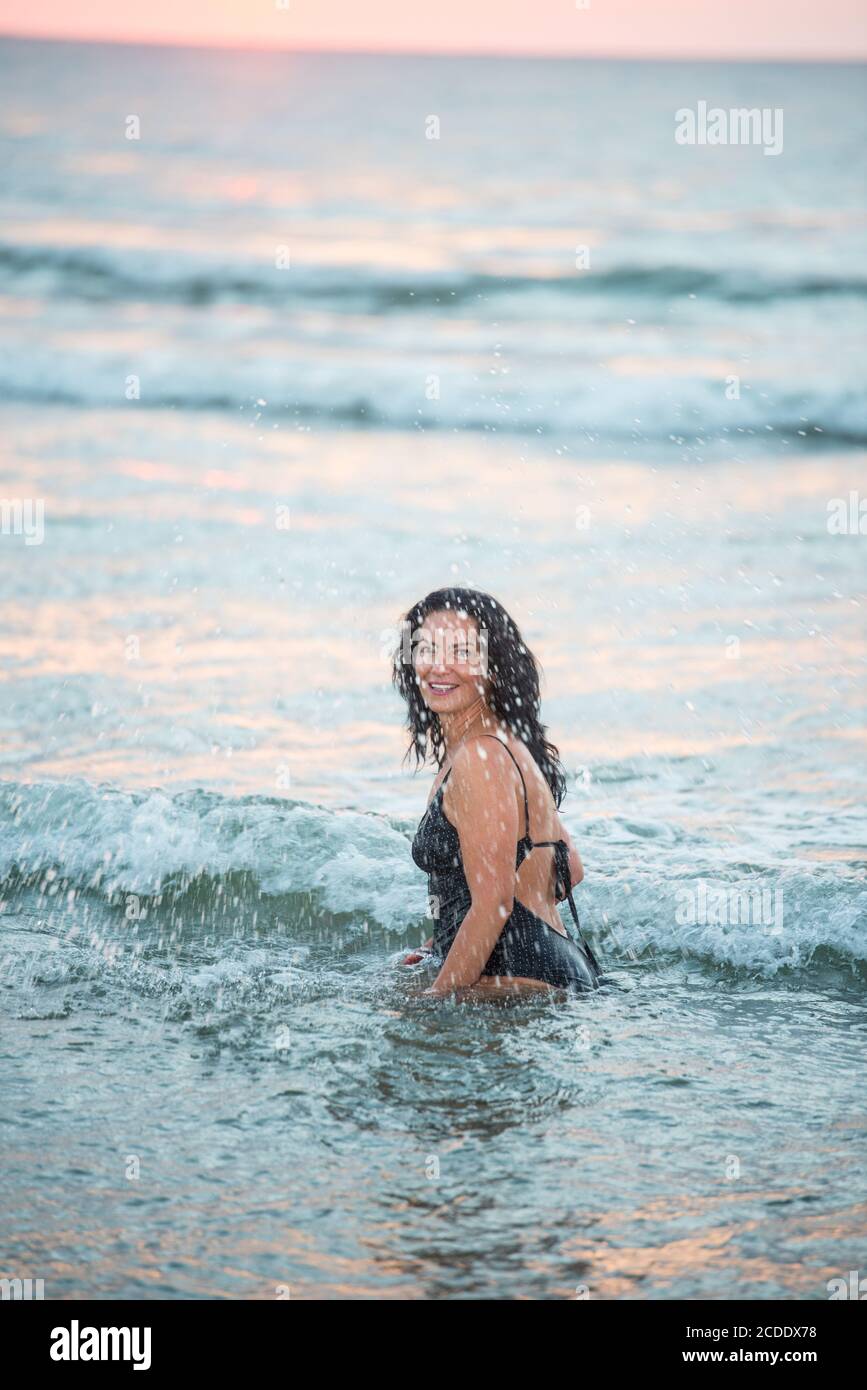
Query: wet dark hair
point(512, 669)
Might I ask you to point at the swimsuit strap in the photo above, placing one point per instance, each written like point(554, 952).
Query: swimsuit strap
point(533, 844)
point(567, 883)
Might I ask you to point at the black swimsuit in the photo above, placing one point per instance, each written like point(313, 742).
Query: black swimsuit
point(528, 945)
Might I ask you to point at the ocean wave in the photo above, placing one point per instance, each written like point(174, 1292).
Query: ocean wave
point(546, 397)
point(211, 859)
point(74, 837)
point(101, 274)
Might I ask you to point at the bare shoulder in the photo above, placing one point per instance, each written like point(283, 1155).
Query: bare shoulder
point(480, 764)
point(482, 782)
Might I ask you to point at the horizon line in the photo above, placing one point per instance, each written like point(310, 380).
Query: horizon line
point(543, 55)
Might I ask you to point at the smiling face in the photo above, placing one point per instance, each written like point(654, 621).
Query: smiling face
point(450, 659)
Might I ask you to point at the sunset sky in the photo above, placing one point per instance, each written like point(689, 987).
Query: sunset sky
point(653, 28)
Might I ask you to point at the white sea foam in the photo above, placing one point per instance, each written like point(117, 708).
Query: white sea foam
point(75, 837)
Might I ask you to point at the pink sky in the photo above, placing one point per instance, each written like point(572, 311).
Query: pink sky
point(658, 28)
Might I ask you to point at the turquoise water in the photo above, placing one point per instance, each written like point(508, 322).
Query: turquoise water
point(215, 1079)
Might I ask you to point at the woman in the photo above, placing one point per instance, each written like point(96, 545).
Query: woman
point(497, 854)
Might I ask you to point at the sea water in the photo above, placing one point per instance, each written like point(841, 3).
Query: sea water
point(279, 353)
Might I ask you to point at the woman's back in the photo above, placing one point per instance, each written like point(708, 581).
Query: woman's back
point(538, 822)
point(533, 942)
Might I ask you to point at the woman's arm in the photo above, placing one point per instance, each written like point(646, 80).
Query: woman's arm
point(483, 810)
point(493, 987)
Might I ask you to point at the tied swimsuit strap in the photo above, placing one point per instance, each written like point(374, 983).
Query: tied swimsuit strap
point(543, 844)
